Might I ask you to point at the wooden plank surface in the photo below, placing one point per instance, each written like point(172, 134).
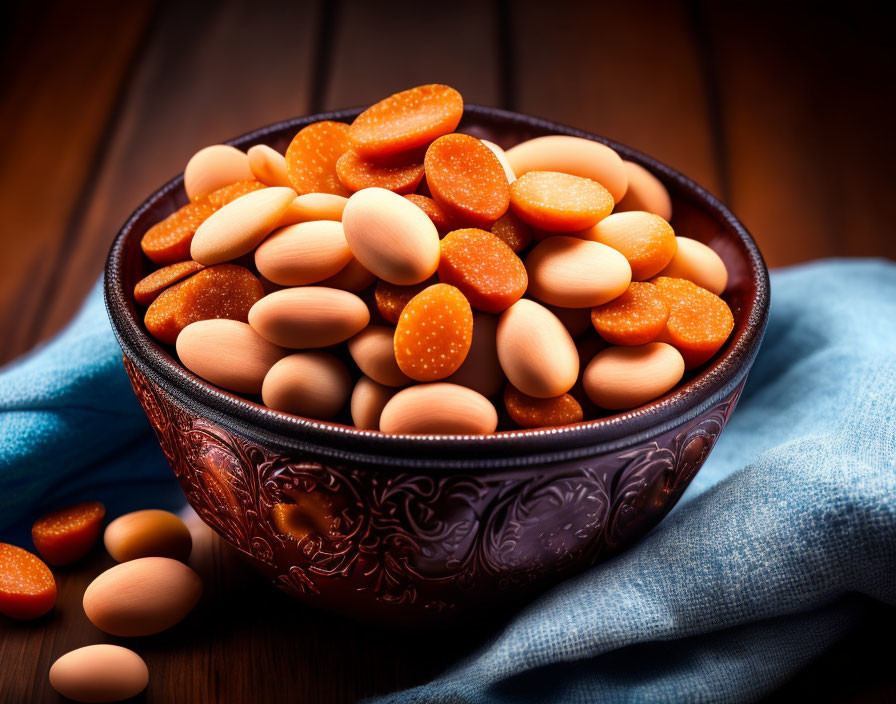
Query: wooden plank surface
point(63, 70)
point(203, 56)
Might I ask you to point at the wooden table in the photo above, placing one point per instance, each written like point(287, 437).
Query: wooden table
point(784, 112)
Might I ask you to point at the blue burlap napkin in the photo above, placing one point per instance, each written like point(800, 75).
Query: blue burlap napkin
point(782, 539)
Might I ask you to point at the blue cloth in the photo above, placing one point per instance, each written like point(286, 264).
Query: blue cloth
point(784, 536)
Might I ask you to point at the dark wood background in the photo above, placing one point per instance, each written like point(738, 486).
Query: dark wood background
point(783, 110)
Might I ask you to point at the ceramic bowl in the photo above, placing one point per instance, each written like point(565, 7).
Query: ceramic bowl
point(416, 529)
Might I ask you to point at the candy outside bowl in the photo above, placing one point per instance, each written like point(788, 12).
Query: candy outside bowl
point(420, 529)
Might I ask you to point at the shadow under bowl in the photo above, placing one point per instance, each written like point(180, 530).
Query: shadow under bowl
point(420, 529)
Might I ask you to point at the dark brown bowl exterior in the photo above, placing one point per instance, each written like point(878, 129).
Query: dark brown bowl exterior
point(417, 529)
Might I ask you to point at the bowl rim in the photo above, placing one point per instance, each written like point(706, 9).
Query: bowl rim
point(504, 449)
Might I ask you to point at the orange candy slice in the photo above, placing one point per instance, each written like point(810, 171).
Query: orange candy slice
point(312, 155)
point(699, 321)
point(529, 412)
point(66, 535)
point(636, 317)
point(168, 241)
point(228, 194)
point(222, 291)
point(434, 333)
point(467, 180)
point(400, 176)
point(406, 120)
point(148, 288)
point(484, 268)
point(439, 217)
point(517, 234)
point(559, 202)
point(392, 298)
point(27, 587)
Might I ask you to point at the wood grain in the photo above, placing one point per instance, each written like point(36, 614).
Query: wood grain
point(63, 71)
point(626, 70)
point(380, 48)
point(210, 72)
point(806, 121)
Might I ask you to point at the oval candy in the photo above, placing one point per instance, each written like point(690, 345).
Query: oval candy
point(239, 227)
point(148, 533)
point(309, 317)
point(575, 273)
point(644, 239)
point(391, 237)
point(442, 409)
point(142, 597)
point(99, 673)
point(619, 378)
point(645, 192)
point(227, 353)
point(314, 206)
point(696, 262)
point(214, 167)
point(311, 384)
point(268, 166)
point(368, 401)
point(306, 253)
point(373, 350)
point(536, 352)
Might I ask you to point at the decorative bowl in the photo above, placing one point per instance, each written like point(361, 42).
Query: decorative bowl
point(420, 529)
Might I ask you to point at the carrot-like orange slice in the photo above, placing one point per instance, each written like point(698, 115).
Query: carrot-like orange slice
point(434, 333)
point(484, 268)
point(27, 587)
point(636, 317)
point(312, 155)
point(467, 180)
point(66, 535)
point(699, 321)
point(403, 121)
point(529, 412)
point(559, 202)
point(222, 291)
point(149, 288)
point(399, 175)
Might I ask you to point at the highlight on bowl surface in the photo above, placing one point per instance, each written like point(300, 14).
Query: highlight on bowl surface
point(397, 275)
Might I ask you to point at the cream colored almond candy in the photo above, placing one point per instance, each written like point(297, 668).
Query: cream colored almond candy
point(374, 353)
point(368, 401)
point(573, 273)
point(391, 236)
point(99, 673)
point(148, 533)
point(571, 155)
point(536, 352)
point(502, 159)
point(645, 192)
point(214, 167)
point(481, 369)
point(311, 384)
point(314, 206)
point(302, 254)
point(309, 317)
point(696, 262)
point(239, 227)
point(142, 597)
point(625, 377)
point(352, 277)
point(227, 353)
point(439, 409)
point(268, 166)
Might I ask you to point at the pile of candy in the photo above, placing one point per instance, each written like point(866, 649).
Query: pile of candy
point(405, 276)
